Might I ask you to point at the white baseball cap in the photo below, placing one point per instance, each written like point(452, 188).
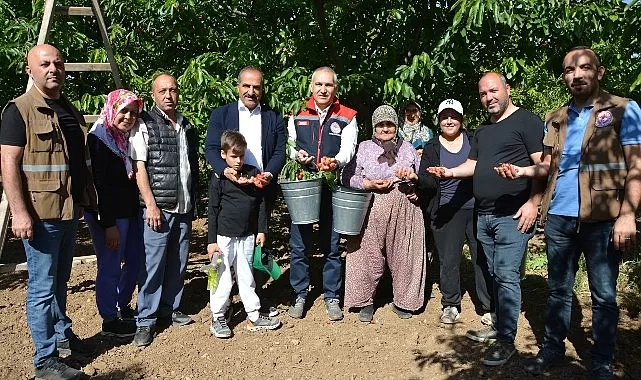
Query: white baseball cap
point(450, 104)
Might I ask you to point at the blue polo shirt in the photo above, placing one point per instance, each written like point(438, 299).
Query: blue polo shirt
point(565, 199)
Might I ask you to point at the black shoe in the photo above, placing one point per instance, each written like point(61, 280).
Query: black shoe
point(366, 314)
point(180, 319)
point(118, 328)
point(126, 313)
point(74, 346)
point(402, 313)
point(602, 371)
point(268, 310)
point(543, 361)
point(144, 336)
point(54, 369)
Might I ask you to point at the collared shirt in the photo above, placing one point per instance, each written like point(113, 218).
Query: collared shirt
point(249, 125)
point(565, 201)
point(322, 114)
point(138, 149)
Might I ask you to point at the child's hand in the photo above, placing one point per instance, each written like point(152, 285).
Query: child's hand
point(211, 249)
point(260, 239)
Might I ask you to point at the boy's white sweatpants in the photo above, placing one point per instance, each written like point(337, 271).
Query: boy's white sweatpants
point(237, 252)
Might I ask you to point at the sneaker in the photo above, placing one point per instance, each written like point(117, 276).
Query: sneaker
point(499, 353)
point(487, 334)
point(297, 309)
point(402, 314)
point(333, 307)
point(144, 336)
point(54, 369)
point(450, 315)
point(180, 319)
point(366, 314)
point(118, 328)
point(602, 372)
point(126, 313)
point(542, 362)
point(488, 319)
point(263, 323)
point(220, 329)
point(74, 345)
point(268, 310)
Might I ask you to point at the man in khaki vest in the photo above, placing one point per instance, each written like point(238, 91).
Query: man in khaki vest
point(592, 159)
point(47, 181)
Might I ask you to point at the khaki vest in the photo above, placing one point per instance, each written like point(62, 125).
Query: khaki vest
point(45, 169)
point(602, 169)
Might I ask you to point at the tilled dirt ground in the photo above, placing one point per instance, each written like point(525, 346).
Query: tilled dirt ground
point(311, 348)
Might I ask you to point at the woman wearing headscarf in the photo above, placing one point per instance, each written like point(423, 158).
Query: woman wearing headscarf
point(450, 206)
point(393, 231)
point(114, 226)
point(412, 129)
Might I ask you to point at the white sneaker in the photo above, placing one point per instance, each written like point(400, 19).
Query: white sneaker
point(488, 319)
point(450, 315)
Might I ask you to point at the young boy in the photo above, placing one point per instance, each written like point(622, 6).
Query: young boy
point(236, 209)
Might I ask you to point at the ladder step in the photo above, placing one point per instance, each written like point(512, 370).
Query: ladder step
point(90, 119)
point(87, 67)
point(74, 11)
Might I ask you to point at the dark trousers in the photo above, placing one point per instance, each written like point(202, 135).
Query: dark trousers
point(301, 242)
point(566, 239)
point(451, 228)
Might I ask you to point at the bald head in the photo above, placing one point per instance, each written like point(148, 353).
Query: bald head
point(46, 67)
point(494, 93)
point(164, 91)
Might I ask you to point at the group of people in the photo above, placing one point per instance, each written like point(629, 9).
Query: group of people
point(134, 178)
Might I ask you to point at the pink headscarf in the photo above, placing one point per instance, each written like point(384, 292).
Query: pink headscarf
point(116, 140)
point(115, 102)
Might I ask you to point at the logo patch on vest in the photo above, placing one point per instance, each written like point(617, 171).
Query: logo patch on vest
point(335, 128)
point(302, 122)
point(603, 119)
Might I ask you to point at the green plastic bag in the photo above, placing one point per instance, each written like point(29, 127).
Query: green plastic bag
point(212, 271)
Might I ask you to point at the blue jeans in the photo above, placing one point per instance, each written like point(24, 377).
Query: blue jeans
point(566, 239)
point(49, 257)
point(504, 246)
point(117, 268)
point(162, 276)
point(301, 243)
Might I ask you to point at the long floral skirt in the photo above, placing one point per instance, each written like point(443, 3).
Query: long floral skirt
point(394, 232)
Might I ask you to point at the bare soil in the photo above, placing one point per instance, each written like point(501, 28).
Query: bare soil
point(311, 348)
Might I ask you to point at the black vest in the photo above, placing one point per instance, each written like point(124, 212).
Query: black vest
point(163, 160)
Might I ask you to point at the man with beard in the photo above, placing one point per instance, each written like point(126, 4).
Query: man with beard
point(593, 157)
point(507, 209)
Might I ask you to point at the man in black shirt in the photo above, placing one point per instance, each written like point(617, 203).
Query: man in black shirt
point(45, 177)
point(507, 209)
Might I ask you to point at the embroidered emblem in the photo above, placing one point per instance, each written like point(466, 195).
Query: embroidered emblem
point(335, 128)
point(302, 122)
point(603, 119)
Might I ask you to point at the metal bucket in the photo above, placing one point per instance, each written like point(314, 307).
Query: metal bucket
point(350, 207)
point(303, 200)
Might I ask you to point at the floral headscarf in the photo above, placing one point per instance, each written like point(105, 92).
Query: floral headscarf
point(107, 132)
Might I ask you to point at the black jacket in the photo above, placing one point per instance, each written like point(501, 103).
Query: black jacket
point(163, 160)
point(428, 184)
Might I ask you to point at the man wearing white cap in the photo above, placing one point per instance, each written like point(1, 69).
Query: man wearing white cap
point(507, 210)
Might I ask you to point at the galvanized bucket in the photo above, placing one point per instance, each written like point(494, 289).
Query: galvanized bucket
point(303, 199)
point(350, 207)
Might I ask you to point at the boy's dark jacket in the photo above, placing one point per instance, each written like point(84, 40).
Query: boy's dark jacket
point(235, 210)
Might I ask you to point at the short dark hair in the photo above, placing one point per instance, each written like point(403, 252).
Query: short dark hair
point(234, 141)
point(581, 47)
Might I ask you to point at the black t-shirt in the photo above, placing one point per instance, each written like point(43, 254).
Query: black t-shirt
point(511, 140)
point(14, 132)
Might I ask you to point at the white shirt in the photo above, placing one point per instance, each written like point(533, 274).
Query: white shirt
point(349, 139)
point(138, 149)
point(249, 125)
